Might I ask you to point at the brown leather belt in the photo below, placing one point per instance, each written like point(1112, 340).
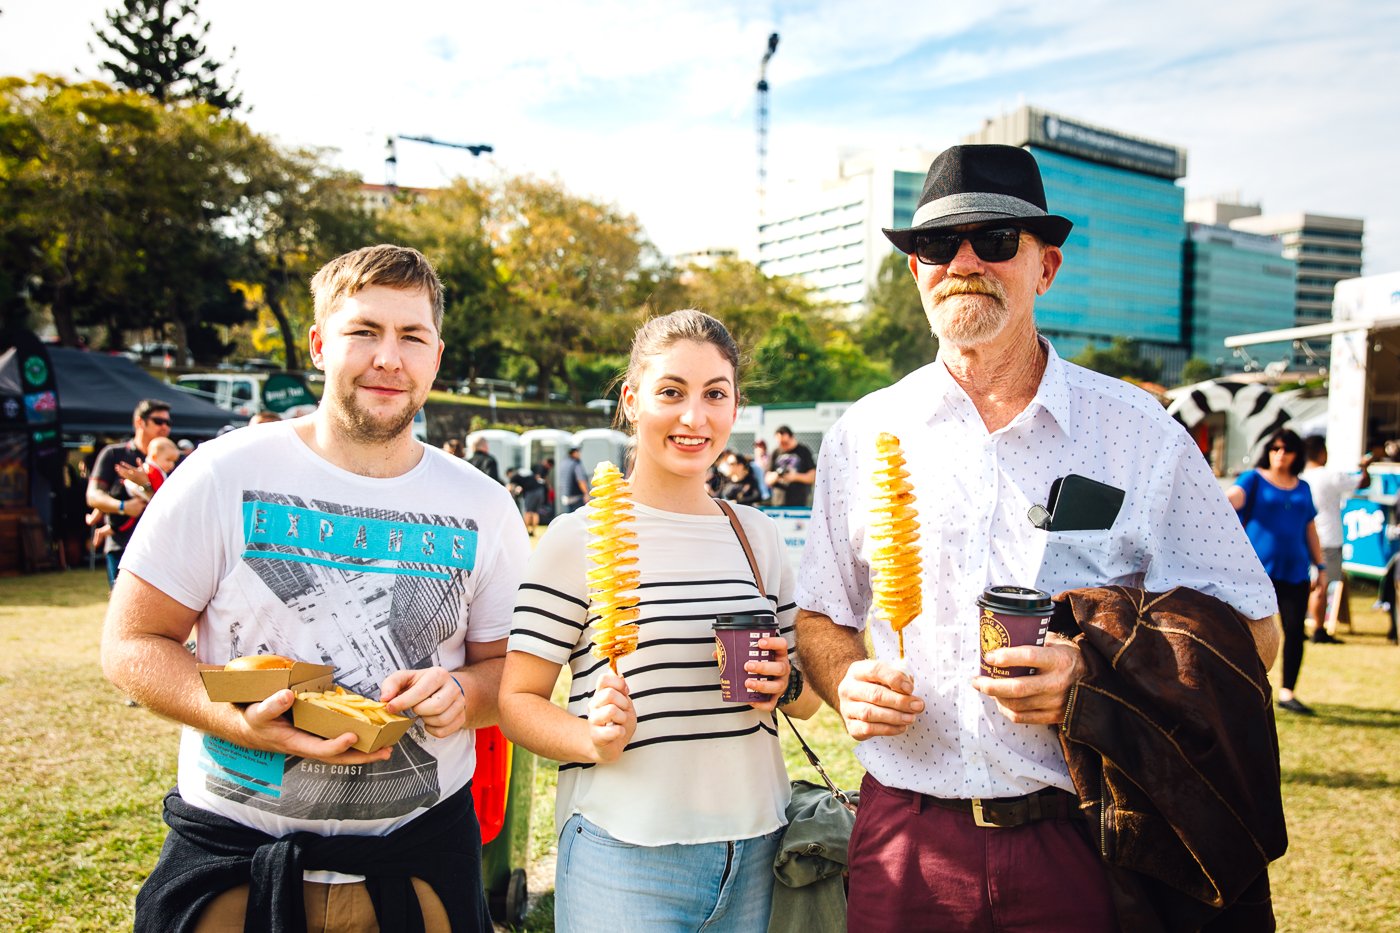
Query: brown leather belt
point(1051, 803)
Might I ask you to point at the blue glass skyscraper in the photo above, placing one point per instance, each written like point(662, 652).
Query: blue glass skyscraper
point(1122, 275)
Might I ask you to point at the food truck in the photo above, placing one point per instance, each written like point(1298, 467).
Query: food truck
point(1363, 409)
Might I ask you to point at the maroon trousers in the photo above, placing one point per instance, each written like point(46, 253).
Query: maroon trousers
point(915, 866)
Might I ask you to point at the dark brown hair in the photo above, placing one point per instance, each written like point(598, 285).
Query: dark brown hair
point(659, 333)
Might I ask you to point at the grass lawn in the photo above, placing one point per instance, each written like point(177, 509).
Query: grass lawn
point(84, 775)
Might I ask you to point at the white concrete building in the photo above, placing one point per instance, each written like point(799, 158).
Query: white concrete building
point(828, 232)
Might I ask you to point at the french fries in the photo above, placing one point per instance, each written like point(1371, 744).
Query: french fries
point(342, 701)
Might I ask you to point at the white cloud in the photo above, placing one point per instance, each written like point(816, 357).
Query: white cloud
point(651, 105)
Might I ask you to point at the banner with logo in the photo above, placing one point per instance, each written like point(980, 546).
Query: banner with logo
point(32, 454)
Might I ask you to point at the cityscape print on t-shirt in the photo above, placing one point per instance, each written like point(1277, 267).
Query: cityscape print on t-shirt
point(383, 589)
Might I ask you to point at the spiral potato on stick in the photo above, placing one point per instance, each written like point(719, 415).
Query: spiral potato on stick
point(613, 578)
point(896, 562)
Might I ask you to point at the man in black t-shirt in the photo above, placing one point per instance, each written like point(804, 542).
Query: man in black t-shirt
point(106, 490)
point(481, 459)
point(794, 471)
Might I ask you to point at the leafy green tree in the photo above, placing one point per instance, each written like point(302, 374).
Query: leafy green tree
point(449, 227)
point(572, 268)
point(789, 363)
point(894, 328)
point(807, 359)
point(854, 372)
point(187, 189)
point(1122, 359)
point(67, 152)
point(594, 375)
point(122, 213)
point(298, 213)
point(743, 297)
point(157, 47)
point(1198, 370)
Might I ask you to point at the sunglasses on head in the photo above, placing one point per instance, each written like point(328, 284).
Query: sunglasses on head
point(995, 245)
point(162, 422)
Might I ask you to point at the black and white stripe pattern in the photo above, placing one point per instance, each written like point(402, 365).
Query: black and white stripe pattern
point(689, 746)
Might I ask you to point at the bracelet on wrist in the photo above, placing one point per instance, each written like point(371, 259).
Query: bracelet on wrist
point(794, 686)
point(1322, 568)
point(121, 506)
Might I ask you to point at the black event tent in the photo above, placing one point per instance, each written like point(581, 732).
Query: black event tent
point(97, 394)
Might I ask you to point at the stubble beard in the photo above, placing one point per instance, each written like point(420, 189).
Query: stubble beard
point(362, 427)
point(967, 312)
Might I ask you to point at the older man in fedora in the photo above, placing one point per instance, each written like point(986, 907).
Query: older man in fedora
point(966, 820)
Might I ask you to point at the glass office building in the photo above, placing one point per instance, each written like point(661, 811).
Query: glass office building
point(1122, 274)
point(1236, 283)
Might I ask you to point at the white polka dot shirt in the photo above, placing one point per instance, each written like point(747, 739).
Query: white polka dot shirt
point(973, 491)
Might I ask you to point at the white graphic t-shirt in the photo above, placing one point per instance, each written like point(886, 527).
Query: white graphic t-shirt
point(287, 554)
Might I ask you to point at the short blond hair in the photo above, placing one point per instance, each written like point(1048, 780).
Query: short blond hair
point(400, 267)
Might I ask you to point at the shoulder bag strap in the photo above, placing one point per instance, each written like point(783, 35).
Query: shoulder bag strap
point(816, 763)
point(733, 517)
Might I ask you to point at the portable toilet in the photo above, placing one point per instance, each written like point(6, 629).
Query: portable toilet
point(538, 444)
point(598, 444)
point(504, 446)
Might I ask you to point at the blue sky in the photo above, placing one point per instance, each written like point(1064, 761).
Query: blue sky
point(651, 105)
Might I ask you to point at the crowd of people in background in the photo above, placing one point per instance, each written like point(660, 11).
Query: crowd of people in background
point(735, 476)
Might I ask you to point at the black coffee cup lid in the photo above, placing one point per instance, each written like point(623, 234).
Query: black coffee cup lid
point(1016, 599)
point(744, 620)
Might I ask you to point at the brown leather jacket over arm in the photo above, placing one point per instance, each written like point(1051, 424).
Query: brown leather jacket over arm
point(1171, 744)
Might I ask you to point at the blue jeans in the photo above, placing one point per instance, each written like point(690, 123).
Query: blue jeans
point(603, 885)
point(114, 559)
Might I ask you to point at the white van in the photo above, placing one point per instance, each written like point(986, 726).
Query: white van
point(246, 394)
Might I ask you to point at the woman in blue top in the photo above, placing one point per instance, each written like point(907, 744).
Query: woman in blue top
point(1277, 510)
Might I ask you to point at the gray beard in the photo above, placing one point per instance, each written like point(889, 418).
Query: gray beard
point(967, 330)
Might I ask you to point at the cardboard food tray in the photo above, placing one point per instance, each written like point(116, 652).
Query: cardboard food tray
point(328, 724)
point(255, 686)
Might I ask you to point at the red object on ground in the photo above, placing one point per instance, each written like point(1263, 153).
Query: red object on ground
point(491, 783)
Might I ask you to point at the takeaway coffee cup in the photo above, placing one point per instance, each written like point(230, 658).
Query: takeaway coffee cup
point(736, 638)
point(1011, 616)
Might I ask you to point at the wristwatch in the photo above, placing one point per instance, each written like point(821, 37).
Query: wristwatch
point(1321, 567)
point(794, 687)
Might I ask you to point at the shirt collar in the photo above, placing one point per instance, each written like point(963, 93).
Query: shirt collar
point(935, 382)
point(1054, 393)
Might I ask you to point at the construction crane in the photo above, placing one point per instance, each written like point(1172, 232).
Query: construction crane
point(763, 123)
point(391, 160)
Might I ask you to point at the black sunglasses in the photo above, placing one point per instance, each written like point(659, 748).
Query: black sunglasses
point(995, 245)
point(162, 422)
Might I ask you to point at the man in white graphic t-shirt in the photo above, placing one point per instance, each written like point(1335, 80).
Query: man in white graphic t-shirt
point(327, 539)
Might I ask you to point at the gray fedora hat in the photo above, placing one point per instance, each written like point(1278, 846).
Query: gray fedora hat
point(983, 185)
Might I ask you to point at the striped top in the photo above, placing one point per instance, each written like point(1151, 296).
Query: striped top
point(698, 769)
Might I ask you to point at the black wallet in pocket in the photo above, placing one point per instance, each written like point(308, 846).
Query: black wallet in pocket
point(1078, 503)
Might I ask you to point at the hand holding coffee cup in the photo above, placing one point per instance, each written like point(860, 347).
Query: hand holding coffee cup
point(1010, 617)
point(737, 638)
point(769, 677)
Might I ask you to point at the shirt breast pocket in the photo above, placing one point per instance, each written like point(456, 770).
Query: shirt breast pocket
point(1081, 558)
